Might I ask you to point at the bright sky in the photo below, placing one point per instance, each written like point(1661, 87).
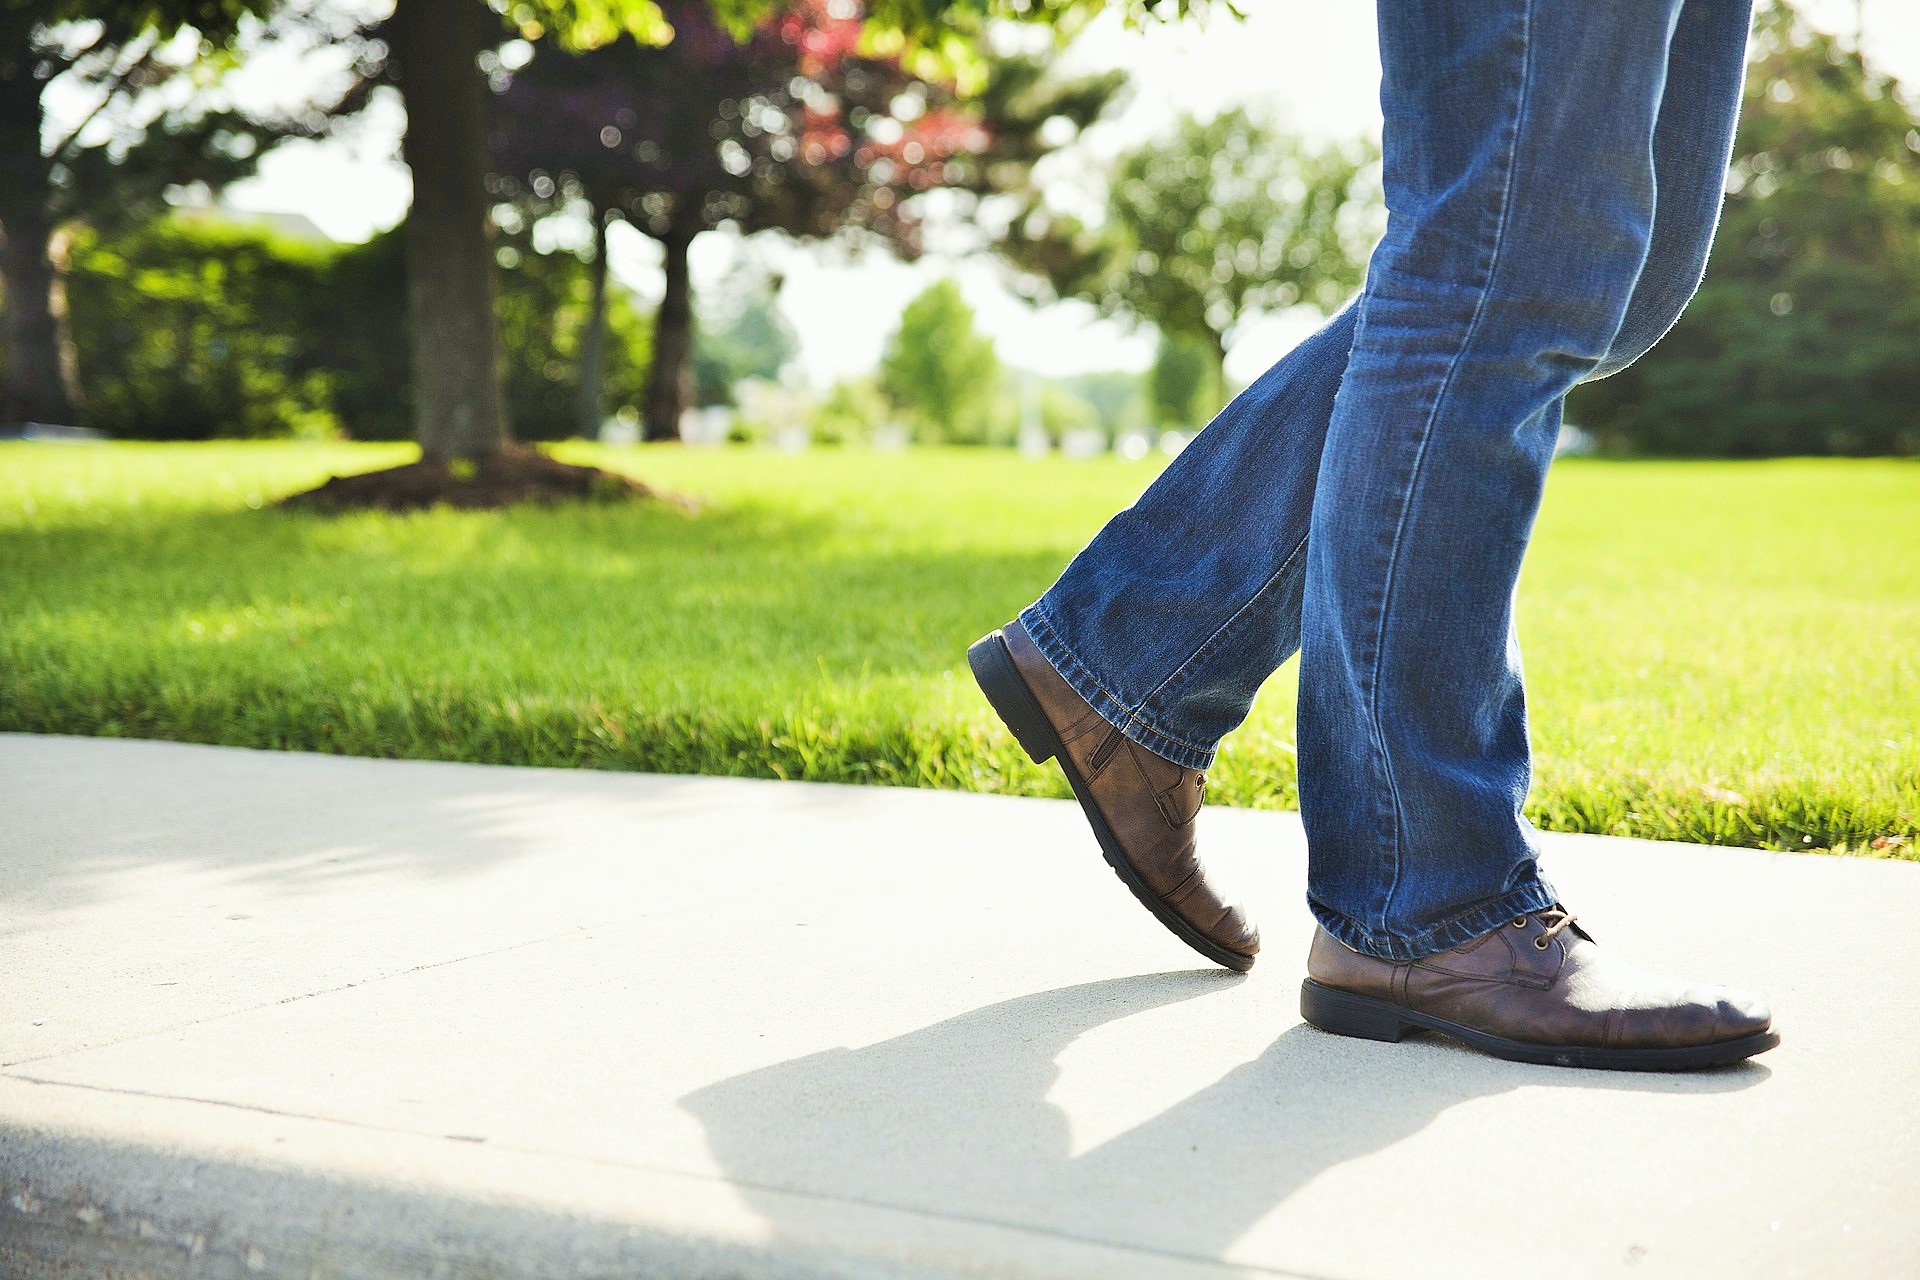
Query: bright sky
point(1315, 64)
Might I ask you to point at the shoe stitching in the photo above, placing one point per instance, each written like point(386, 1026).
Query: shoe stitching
point(1103, 753)
point(1165, 796)
point(1173, 896)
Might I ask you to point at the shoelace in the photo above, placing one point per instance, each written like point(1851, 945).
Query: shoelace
point(1557, 919)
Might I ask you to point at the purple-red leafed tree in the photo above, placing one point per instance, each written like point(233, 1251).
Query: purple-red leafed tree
point(792, 129)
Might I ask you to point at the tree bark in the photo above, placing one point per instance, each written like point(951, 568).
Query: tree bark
point(33, 385)
point(459, 403)
point(670, 384)
point(593, 343)
point(34, 388)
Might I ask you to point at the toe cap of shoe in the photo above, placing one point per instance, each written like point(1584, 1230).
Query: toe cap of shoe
point(1738, 1015)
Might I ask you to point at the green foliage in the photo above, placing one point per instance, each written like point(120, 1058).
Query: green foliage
point(544, 304)
point(755, 341)
point(213, 19)
point(944, 30)
point(1109, 402)
point(1714, 649)
point(939, 373)
point(190, 330)
point(1119, 399)
point(1805, 336)
point(1062, 411)
point(355, 327)
point(850, 410)
point(186, 331)
point(1227, 219)
point(159, 118)
point(1185, 383)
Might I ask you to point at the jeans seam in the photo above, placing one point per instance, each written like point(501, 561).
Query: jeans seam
point(1412, 492)
point(1173, 681)
point(1120, 704)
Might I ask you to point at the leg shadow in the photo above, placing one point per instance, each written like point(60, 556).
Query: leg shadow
point(953, 1120)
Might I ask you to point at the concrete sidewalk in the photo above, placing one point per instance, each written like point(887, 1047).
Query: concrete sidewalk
point(294, 1015)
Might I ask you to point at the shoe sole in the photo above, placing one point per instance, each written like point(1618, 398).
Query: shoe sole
point(1006, 689)
point(1369, 1018)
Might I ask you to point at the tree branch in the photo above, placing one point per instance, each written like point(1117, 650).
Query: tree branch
point(120, 82)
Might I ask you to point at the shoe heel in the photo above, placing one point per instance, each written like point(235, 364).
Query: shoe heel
point(999, 679)
point(1345, 1014)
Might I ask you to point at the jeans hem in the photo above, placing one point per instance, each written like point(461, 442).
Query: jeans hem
point(1081, 679)
point(1456, 930)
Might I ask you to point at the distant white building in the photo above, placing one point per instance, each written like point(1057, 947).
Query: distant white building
point(287, 226)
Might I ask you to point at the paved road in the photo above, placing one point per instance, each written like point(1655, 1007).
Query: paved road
point(292, 1015)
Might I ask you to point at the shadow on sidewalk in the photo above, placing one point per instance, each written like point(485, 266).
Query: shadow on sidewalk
point(954, 1120)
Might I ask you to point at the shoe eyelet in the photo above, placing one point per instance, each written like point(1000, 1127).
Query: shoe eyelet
point(1540, 943)
point(1519, 922)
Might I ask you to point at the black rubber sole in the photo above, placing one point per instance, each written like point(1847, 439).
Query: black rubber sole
point(1345, 1014)
point(998, 678)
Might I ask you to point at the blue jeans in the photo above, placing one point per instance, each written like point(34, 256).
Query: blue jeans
point(1553, 173)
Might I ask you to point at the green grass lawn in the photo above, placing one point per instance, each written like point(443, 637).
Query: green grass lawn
point(1724, 652)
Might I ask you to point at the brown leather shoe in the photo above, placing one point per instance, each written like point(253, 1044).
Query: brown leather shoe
point(1141, 805)
point(1535, 990)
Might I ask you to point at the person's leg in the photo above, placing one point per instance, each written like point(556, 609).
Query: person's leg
point(1184, 604)
point(1202, 575)
point(1521, 145)
point(1166, 625)
point(1177, 611)
point(1521, 172)
point(1692, 146)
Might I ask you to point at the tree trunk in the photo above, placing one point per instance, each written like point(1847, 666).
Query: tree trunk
point(459, 404)
point(593, 343)
point(33, 387)
point(670, 384)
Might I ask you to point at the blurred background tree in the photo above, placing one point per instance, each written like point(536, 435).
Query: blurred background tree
point(793, 130)
point(1064, 413)
point(197, 330)
point(438, 46)
point(550, 307)
point(1805, 336)
point(157, 119)
point(938, 372)
point(1224, 221)
point(206, 326)
point(1184, 384)
point(849, 412)
point(743, 335)
point(895, 108)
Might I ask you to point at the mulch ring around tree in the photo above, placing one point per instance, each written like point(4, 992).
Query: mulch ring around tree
point(514, 475)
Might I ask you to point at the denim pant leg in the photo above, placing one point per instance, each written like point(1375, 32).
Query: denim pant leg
point(1521, 187)
point(1169, 621)
point(1692, 146)
point(1183, 605)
